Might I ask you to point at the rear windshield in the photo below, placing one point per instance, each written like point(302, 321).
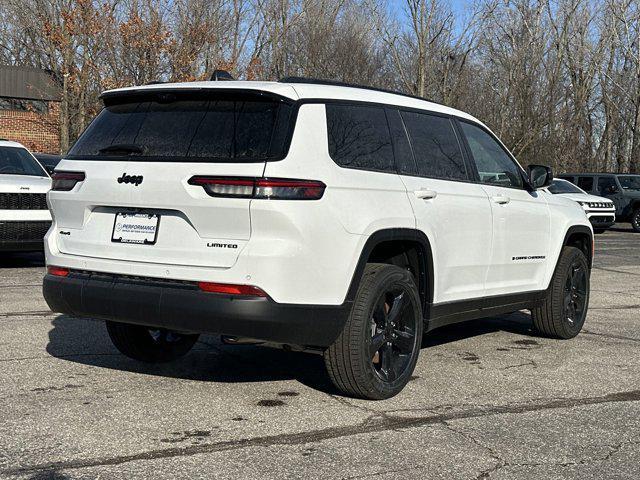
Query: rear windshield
point(189, 127)
point(17, 161)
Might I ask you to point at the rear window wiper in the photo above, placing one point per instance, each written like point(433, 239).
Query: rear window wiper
point(123, 148)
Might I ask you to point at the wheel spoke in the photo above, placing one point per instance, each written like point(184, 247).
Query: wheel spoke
point(379, 312)
point(404, 340)
point(576, 275)
point(156, 335)
point(396, 308)
point(387, 363)
point(376, 343)
point(566, 300)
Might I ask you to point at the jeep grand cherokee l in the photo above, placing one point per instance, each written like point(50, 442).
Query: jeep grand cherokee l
point(341, 220)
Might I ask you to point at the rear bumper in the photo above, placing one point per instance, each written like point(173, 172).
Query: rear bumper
point(181, 306)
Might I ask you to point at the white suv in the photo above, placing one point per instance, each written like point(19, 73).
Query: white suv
point(600, 211)
point(24, 183)
point(342, 220)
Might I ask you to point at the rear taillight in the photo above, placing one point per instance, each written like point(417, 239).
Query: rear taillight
point(57, 271)
point(231, 289)
point(260, 188)
point(65, 181)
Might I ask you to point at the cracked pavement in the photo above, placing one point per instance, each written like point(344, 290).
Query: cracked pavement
point(488, 399)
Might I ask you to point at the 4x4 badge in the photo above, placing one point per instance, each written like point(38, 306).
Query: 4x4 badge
point(135, 179)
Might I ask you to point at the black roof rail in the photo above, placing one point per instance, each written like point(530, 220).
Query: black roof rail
point(155, 82)
point(594, 173)
point(337, 83)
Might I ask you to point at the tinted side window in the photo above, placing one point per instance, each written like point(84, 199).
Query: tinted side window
point(585, 183)
point(605, 184)
point(435, 146)
point(359, 137)
point(401, 147)
point(495, 166)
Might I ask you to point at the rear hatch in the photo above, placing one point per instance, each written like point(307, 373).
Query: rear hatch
point(136, 203)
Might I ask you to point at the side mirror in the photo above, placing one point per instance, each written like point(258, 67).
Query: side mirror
point(540, 176)
point(611, 189)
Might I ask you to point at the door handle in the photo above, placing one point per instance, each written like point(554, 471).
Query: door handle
point(501, 199)
point(425, 194)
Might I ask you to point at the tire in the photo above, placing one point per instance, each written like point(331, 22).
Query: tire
point(564, 310)
point(150, 345)
point(635, 220)
point(387, 314)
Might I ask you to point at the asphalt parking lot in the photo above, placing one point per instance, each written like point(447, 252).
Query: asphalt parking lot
point(488, 400)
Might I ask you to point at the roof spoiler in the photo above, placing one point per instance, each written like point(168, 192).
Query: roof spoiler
point(221, 76)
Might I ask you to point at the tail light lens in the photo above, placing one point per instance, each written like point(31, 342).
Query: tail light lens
point(57, 271)
point(65, 181)
point(261, 188)
point(230, 289)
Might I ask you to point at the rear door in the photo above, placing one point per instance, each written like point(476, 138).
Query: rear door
point(139, 156)
point(520, 217)
point(449, 208)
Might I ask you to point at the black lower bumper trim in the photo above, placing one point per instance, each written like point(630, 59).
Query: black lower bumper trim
point(30, 246)
point(183, 307)
point(602, 222)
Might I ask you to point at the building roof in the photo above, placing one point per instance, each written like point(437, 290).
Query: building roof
point(304, 91)
point(28, 83)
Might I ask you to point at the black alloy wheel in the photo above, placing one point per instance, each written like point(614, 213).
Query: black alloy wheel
point(635, 220)
point(575, 294)
point(393, 332)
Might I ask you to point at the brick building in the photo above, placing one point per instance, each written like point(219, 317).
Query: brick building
point(30, 108)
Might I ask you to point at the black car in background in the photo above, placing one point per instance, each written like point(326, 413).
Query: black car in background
point(622, 189)
point(48, 161)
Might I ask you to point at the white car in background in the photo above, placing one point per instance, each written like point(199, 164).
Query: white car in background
point(600, 211)
point(24, 215)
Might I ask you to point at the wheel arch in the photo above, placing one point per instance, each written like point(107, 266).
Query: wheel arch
point(580, 236)
point(385, 246)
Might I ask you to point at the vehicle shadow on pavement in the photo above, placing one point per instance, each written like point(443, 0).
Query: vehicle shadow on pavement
point(518, 323)
point(49, 475)
point(85, 341)
point(620, 228)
